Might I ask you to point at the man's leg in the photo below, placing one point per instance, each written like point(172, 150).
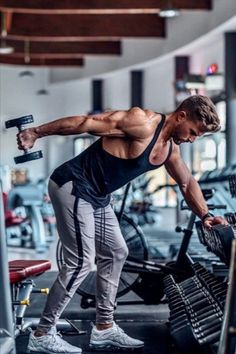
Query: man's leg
point(111, 253)
point(76, 229)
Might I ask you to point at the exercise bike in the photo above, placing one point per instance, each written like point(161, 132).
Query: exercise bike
point(139, 274)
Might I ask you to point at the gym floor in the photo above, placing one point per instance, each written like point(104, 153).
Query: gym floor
point(145, 322)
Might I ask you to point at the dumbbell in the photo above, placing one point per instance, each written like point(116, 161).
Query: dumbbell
point(20, 123)
point(232, 185)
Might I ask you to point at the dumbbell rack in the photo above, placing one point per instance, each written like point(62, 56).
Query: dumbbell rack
point(203, 307)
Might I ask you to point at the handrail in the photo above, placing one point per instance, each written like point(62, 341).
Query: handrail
point(228, 331)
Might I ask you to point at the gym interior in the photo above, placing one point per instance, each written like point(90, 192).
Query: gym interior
point(177, 290)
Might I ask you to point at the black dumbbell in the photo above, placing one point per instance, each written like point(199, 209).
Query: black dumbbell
point(20, 123)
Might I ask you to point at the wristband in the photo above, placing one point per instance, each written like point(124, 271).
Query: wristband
point(207, 215)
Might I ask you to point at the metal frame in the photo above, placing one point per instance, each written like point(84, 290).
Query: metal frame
point(7, 339)
point(228, 333)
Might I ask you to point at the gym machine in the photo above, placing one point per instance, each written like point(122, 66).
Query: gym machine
point(31, 199)
point(222, 180)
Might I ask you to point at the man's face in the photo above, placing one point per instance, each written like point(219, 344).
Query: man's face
point(186, 131)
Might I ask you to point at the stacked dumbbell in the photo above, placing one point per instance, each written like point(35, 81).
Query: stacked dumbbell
point(20, 123)
point(180, 325)
point(196, 310)
point(231, 218)
point(215, 285)
point(232, 185)
point(218, 240)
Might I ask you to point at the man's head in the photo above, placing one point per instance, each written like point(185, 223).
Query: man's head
point(195, 116)
point(201, 109)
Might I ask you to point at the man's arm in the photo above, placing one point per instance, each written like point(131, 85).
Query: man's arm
point(134, 123)
point(189, 187)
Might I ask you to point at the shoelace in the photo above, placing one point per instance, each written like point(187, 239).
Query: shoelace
point(120, 331)
point(59, 342)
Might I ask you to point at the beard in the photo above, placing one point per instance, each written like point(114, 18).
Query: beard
point(177, 141)
point(177, 136)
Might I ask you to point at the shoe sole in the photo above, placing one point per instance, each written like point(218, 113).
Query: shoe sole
point(48, 352)
point(113, 347)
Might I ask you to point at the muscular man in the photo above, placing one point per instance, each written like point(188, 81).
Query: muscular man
point(132, 142)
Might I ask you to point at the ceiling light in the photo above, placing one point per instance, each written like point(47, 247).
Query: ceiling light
point(169, 12)
point(5, 49)
point(26, 73)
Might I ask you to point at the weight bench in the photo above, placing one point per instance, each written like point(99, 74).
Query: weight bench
point(20, 272)
point(23, 269)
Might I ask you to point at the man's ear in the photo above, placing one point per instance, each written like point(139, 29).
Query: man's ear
point(181, 116)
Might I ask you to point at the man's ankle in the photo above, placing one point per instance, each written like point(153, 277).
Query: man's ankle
point(102, 326)
point(40, 333)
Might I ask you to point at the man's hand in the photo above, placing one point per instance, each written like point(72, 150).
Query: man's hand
point(26, 138)
point(214, 220)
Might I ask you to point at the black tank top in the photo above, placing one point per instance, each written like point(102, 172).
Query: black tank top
point(95, 173)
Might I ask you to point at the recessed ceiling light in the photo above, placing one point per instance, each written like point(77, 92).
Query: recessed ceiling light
point(5, 49)
point(169, 12)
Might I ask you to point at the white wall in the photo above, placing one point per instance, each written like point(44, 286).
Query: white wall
point(117, 91)
point(158, 84)
point(71, 98)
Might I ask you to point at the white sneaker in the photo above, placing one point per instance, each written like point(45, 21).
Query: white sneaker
point(113, 338)
point(51, 342)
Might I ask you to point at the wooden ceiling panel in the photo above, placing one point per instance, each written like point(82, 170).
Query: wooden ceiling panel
point(82, 48)
point(61, 31)
point(98, 6)
point(80, 27)
point(11, 60)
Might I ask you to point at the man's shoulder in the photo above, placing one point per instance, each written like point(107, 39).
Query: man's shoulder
point(143, 113)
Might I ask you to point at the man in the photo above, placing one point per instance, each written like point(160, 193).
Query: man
point(132, 142)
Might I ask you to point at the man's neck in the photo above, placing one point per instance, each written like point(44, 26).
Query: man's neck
point(166, 133)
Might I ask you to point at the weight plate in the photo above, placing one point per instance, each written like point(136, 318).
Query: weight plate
point(19, 121)
point(29, 156)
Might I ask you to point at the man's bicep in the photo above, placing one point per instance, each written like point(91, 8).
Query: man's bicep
point(177, 168)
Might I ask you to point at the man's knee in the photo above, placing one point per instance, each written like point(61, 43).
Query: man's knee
point(121, 254)
point(81, 264)
point(89, 264)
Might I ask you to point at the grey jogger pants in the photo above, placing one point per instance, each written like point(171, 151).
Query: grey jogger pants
point(84, 232)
